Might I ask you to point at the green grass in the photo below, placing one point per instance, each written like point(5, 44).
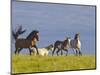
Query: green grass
point(27, 63)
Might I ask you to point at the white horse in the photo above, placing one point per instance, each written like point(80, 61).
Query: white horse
point(75, 44)
point(42, 51)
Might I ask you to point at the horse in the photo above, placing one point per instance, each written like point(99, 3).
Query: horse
point(43, 51)
point(27, 42)
point(61, 45)
point(75, 44)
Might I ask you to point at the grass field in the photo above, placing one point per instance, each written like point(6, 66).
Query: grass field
point(27, 64)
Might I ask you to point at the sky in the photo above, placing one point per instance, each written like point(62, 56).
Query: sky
point(55, 22)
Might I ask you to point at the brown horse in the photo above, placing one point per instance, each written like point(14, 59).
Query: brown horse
point(21, 43)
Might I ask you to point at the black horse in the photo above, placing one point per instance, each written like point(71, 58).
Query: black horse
point(21, 43)
point(61, 45)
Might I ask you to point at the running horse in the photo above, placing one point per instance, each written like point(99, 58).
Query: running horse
point(61, 46)
point(28, 42)
point(75, 44)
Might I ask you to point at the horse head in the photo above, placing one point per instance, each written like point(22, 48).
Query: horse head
point(33, 34)
point(67, 41)
point(77, 36)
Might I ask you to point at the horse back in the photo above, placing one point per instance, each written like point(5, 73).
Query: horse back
point(23, 43)
point(58, 43)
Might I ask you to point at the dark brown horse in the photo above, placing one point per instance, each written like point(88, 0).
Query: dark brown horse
point(21, 43)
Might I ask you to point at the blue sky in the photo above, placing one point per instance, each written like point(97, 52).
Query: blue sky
point(55, 22)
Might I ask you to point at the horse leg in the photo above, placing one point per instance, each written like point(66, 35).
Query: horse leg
point(76, 52)
point(66, 51)
point(16, 50)
point(61, 52)
point(36, 49)
point(53, 51)
point(57, 51)
point(19, 50)
point(80, 53)
point(73, 51)
point(30, 51)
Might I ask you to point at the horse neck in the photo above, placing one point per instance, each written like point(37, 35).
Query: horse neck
point(66, 42)
point(77, 41)
point(30, 37)
point(76, 37)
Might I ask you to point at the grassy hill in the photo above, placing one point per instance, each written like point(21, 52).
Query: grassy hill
point(27, 63)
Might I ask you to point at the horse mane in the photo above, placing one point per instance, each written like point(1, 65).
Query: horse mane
point(33, 35)
point(65, 42)
point(76, 36)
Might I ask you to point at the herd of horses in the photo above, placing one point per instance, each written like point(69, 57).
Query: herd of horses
point(31, 40)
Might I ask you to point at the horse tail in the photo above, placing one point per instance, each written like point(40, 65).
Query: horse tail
point(14, 35)
point(18, 32)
